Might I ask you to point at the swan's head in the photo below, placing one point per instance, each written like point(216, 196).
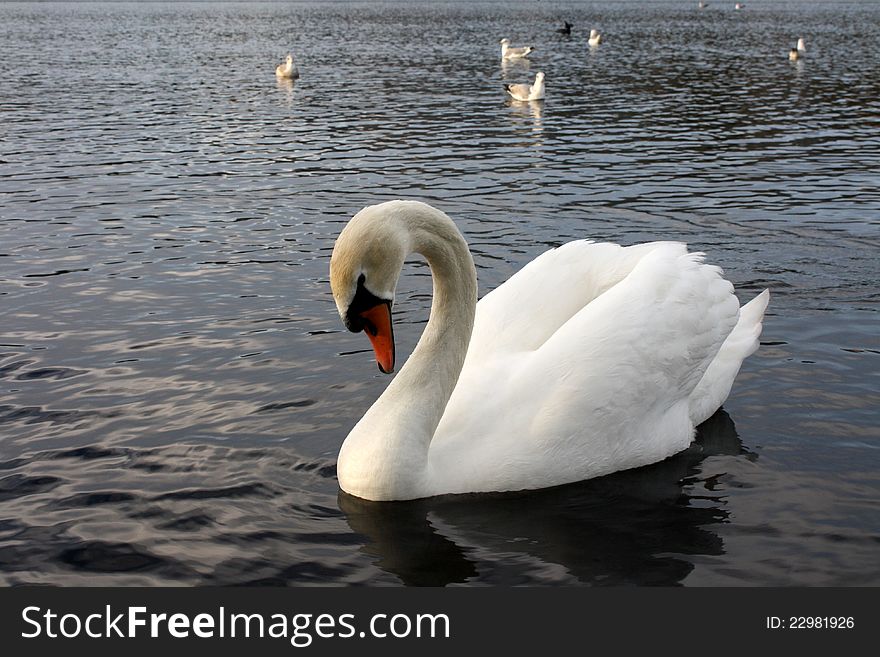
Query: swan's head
point(289, 58)
point(505, 42)
point(539, 77)
point(366, 263)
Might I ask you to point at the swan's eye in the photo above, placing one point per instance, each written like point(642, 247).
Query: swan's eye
point(363, 301)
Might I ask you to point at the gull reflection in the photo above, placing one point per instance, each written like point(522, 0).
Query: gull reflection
point(530, 110)
point(635, 527)
point(514, 67)
point(285, 85)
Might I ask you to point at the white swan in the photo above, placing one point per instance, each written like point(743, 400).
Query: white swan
point(513, 53)
point(287, 69)
point(595, 38)
point(593, 358)
point(527, 91)
point(801, 46)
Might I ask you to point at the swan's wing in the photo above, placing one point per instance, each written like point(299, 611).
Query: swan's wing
point(643, 343)
point(522, 313)
point(609, 389)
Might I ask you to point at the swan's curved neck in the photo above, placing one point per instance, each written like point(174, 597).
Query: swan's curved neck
point(391, 441)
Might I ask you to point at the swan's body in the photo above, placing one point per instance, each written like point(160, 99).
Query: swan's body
point(591, 359)
point(287, 69)
point(595, 38)
point(514, 53)
point(527, 91)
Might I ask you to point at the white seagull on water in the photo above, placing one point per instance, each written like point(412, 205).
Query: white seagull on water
point(287, 69)
point(513, 53)
point(527, 91)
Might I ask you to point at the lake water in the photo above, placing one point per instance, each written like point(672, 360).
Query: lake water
point(175, 382)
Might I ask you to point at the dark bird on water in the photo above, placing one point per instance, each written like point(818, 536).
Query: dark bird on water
point(565, 30)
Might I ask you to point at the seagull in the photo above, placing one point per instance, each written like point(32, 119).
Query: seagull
point(513, 53)
point(595, 38)
point(287, 69)
point(527, 91)
point(565, 30)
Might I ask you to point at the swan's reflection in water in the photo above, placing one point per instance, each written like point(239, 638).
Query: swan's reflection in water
point(635, 527)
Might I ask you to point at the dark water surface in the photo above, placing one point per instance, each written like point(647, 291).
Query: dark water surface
point(175, 382)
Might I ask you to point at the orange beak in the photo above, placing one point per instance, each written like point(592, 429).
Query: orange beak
point(377, 325)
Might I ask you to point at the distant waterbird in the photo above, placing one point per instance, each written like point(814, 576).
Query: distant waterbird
point(513, 53)
point(566, 29)
point(799, 51)
point(739, 5)
point(288, 69)
point(595, 38)
point(527, 91)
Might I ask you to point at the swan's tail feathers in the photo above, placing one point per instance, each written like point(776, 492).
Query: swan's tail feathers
point(751, 316)
point(742, 342)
